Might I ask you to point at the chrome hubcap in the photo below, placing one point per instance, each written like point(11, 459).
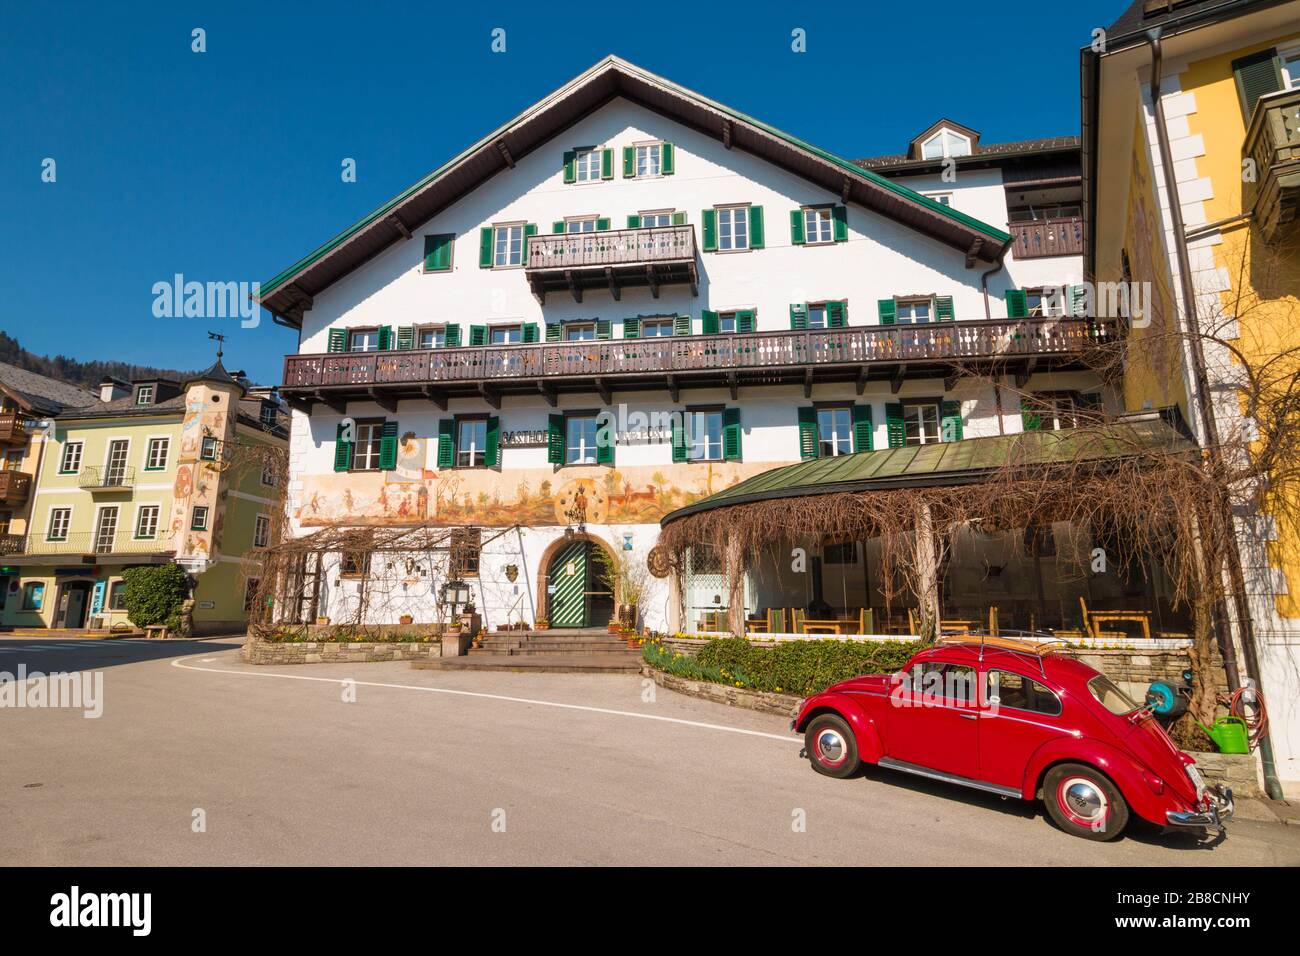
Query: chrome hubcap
point(830, 746)
point(1083, 799)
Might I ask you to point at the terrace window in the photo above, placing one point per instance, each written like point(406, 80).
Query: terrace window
point(579, 331)
point(657, 219)
point(585, 224)
point(506, 334)
point(363, 340)
point(915, 311)
point(656, 328)
point(834, 431)
point(433, 336)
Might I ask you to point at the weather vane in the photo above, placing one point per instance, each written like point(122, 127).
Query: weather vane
point(220, 339)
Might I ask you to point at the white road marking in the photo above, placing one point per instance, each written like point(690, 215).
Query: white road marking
point(513, 700)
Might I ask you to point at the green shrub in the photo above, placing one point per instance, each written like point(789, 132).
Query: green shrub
point(154, 594)
point(791, 667)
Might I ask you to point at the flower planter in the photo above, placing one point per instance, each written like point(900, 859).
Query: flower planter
point(455, 643)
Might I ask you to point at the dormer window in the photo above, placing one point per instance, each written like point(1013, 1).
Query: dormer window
point(144, 395)
point(945, 144)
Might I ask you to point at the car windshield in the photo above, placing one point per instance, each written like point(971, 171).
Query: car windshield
point(1111, 697)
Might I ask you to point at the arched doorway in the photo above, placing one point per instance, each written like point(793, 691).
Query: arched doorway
point(577, 594)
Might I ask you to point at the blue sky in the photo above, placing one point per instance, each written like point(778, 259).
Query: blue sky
point(224, 165)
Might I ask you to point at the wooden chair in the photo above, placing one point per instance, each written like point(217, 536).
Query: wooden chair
point(911, 622)
point(797, 617)
point(776, 620)
point(866, 621)
point(993, 620)
point(1093, 620)
point(756, 625)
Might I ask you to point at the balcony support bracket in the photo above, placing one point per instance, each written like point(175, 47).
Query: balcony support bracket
point(386, 402)
point(733, 385)
point(603, 390)
point(491, 396)
point(612, 279)
point(896, 380)
point(548, 393)
point(807, 382)
point(652, 280)
point(574, 288)
point(861, 383)
point(1022, 376)
point(674, 390)
point(438, 398)
point(330, 401)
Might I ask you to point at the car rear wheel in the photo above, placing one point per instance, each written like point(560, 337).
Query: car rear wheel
point(1084, 802)
point(831, 746)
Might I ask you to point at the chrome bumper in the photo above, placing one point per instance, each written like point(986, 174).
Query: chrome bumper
point(1215, 816)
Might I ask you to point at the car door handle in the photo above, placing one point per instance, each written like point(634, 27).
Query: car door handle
point(969, 716)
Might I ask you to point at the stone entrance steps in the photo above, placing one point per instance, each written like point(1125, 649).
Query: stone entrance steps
point(567, 641)
point(564, 650)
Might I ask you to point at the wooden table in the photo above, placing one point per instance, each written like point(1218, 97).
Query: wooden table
point(811, 626)
point(1096, 618)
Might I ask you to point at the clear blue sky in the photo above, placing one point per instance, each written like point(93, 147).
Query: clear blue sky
point(225, 165)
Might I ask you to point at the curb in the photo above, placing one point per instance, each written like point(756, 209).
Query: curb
point(767, 702)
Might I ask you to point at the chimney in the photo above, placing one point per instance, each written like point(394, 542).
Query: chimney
point(113, 388)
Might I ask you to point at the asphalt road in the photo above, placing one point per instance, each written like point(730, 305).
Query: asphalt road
point(429, 767)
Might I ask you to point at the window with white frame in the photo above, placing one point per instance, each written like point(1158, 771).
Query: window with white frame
point(261, 531)
point(579, 331)
point(507, 245)
point(505, 334)
point(1052, 411)
point(57, 529)
point(268, 471)
point(1045, 302)
point(920, 423)
point(471, 442)
point(199, 518)
point(656, 328)
point(649, 158)
point(580, 224)
point(705, 434)
point(914, 311)
point(156, 455)
point(944, 144)
point(366, 448)
point(580, 440)
point(834, 431)
point(146, 521)
point(269, 414)
point(144, 395)
point(432, 336)
point(209, 447)
point(818, 318)
point(363, 340)
point(71, 461)
point(733, 227)
point(818, 225)
point(586, 165)
point(657, 219)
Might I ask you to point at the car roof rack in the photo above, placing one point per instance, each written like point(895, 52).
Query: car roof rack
point(1033, 644)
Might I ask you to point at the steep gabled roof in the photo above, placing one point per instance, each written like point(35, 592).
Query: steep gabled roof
point(289, 292)
point(40, 393)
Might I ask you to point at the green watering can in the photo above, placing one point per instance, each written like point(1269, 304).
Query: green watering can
point(1229, 735)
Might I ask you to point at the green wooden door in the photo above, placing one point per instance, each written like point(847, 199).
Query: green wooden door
point(569, 572)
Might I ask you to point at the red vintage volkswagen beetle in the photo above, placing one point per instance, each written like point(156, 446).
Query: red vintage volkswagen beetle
point(1013, 718)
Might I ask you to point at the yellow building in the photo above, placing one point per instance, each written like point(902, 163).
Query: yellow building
point(1195, 190)
point(153, 472)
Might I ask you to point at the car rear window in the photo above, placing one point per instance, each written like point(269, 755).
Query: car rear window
point(1110, 696)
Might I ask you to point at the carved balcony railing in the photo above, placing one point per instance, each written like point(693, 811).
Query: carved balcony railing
point(876, 351)
point(122, 541)
point(1272, 146)
point(1047, 237)
point(15, 486)
point(13, 428)
point(611, 259)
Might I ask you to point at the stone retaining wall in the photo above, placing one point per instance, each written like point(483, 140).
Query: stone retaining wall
point(1237, 771)
point(322, 652)
point(768, 703)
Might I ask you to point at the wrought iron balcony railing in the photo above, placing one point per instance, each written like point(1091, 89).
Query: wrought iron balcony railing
point(109, 478)
point(121, 541)
point(1272, 145)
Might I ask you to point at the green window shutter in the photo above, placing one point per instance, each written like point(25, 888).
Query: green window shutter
point(446, 442)
point(555, 439)
point(629, 162)
point(605, 440)
point(477, 335)
point(679, 436)
point(342, 451)
point(667, 160)
point(756, 227)
point(798, 315)
point(529, 332)
point(1030, 420)
point(950, 421)
point(840, 223)
point(682, 325)
point(385, 338)
point(1078, 300)
point(731, 434)
point(634, 222)
point(388, 447)
point(1017, 304)
point(530, 229)
point(943, 308)
point(485, 248)
point(492, 454)
point(894, 427)
point(338, 340)
point(796, 226)
point(437, 253)
point(710, 219)
point(631, 328)
point(606, 164)
point(808, 438)
point(602, 225)
point(679, 218)
point(888, 311)
point(862, 427)
point(1256, 75)
point(570, 166)
point(604, 329)
point(451, 335)
point(557, 226)
point(553, 331)
point(837, 314)
point(745, 321)
point(406, 337)
point(709, 322)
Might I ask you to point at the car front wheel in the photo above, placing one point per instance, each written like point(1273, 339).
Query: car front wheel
point(1084, 802)
point(831, 746)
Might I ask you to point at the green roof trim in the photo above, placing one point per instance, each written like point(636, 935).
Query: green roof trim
point(948, 463)
point(997, 235)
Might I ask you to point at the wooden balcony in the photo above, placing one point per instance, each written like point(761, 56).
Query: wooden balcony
point(612, 259)
point(874, 352)
point(15, 486)
point(1047, 237)
point(1273, 143)
point(13, 429)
